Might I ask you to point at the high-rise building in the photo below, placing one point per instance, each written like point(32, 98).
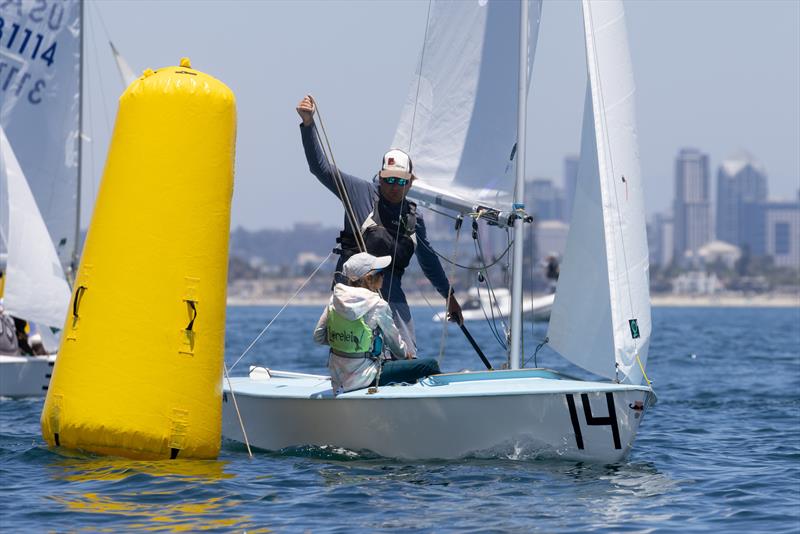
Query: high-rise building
point(546, 199)
point(692, 208)
point(661, 232)
point(781, 240)
point(570, 181)
point(741, 188)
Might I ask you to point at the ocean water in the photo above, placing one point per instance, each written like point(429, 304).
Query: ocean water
point(719, 452)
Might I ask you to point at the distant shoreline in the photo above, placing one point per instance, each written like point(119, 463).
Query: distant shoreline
point(658, 301)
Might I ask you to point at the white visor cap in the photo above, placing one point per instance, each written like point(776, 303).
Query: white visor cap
point(396, 163)
point(361, 264)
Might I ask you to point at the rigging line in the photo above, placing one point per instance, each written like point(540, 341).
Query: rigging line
point(532, 282)
point(535, 352)
point(339, 186)
point(394, 252)
point(90, 106)
point(492, 298)
point(419, 77)
point(611, 161)
point(466, 267)
point(425, 298)
point(100, 84)
point(238, 413)
point(299, 289)
point(492, 323)
point(449, 297)
point(102, 22)
point(479, 248)
point(443, 214)
point(344, 196)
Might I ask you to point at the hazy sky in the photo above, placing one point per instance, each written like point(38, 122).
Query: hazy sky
point(716, 75)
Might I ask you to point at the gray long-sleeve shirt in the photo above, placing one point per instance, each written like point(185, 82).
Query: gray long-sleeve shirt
point(363, 195)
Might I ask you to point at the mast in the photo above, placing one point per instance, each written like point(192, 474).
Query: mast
point(519, 192)
point(76, 244)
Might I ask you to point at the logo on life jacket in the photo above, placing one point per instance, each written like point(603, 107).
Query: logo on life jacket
point(347, 336)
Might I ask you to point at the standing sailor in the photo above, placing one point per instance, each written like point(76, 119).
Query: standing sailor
point(390, 224)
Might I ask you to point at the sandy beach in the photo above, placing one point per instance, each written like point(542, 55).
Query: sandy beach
point(726, 300)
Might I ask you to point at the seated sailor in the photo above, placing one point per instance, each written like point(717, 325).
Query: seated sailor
point(357, 323)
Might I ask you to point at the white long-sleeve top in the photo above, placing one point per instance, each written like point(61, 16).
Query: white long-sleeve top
point(353, 303)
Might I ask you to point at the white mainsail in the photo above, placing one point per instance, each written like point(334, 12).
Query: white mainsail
point(459, 122)
point(40, 106)
point(35, 287)
point(601, 315)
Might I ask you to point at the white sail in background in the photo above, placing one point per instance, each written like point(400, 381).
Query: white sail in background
point(125, 71)
point(35, 287)
point(601, 315)
point(459, 123)
point(40, 105)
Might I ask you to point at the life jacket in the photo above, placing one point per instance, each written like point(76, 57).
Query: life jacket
point(383, 238)
point(353, 339)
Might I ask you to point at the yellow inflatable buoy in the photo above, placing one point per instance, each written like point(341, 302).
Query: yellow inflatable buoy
point(139, 370)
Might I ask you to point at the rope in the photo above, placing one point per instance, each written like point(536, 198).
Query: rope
point(492, 296)
point(467, 267)
point(491, 322)
point(394, 252)
point(649, 383)
point(338, 180)
point(532, 248)
point(419, 77)
point(252, 344)
point(449, 298)
point(238, 413)
point(544, 342)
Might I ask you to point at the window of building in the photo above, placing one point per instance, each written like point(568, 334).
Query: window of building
point(781, 238)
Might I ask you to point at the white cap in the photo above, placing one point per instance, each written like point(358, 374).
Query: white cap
point(362, 264)
point(396, 163)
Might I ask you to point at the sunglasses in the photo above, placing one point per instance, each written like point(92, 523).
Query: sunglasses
point(391, 180)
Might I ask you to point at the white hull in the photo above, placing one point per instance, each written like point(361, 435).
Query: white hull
point(537, 309)
point(25, 376)
point(443, 417)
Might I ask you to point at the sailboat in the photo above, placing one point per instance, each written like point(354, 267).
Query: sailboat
point(41, 101)
point(40, 110)
point(470, 91)
point(481, 305)
point(36, 288)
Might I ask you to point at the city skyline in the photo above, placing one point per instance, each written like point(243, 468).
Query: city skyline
point(712, 88)
point(741, 218)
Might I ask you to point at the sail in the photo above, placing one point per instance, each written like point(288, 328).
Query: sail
point(459, 122)
point(601, 315)
point(40, 105)
point(35, 287)
point(125, 71)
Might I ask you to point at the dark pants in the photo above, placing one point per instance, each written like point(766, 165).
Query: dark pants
point(409, 371)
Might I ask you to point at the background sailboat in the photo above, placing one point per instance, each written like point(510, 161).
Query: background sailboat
point(41, 115)
point(453, 415)
point(35, 287)
point(40, 109)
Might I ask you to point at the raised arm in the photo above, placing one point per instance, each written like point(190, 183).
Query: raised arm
point(317, 163)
